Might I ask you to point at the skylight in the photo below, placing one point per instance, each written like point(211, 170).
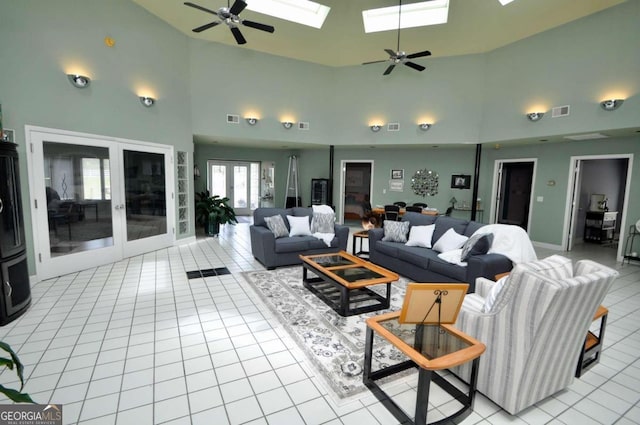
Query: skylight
point(413, 15)
point(303, 12)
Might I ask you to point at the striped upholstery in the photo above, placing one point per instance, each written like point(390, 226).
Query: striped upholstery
point(535, 330)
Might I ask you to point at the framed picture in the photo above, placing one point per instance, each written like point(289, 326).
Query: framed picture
point(460, 181)
point(420, 301)
point(397, 174)
point(396, 185)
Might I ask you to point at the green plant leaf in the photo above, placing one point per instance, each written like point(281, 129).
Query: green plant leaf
point(16, 361)
point(16, 396)
point(6, 362)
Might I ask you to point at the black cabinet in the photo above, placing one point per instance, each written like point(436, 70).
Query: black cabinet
point(319, 191)
point(16, 291)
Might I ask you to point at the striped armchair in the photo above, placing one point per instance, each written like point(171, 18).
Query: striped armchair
point(535, 329)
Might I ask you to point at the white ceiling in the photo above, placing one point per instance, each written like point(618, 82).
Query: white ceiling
point(474, 26)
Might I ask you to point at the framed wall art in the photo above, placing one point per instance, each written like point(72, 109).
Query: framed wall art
point(397, 174)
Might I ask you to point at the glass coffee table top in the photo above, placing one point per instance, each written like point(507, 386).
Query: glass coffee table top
point(355, 274)
point(332, 260)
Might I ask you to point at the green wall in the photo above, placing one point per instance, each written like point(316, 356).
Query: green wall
point(470, 99)
point(40, 42)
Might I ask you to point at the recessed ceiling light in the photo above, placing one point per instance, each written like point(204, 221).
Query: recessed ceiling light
point(505, 2)
point(589, 136)
point(413, 15)
point(303, 12)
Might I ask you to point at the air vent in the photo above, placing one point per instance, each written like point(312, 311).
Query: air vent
point(233, 119)
point(393, 126)
point(560, 111)
point(589, 136)
point(303, 126)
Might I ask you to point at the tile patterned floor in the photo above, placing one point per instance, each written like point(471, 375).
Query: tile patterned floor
point(138, 342)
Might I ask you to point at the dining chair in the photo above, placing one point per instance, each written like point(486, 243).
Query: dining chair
point(400, 204)
point(420, 204)
point(413, 208)
point(392, 212)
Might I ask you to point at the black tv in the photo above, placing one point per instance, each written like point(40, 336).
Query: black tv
point(460, 181)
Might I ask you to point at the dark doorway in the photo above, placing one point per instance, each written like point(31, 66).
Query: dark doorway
point(514, 193)
point(357, 190)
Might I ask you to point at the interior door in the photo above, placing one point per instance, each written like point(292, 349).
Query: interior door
point(97, 201)
point(515, 193)
point(145, 185)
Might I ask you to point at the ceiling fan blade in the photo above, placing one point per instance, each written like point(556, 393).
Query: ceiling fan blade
point(415, 66)
point(390, 52)
point(389, 69)
point(238, 35)
point(367, 63)
point(206, 27)
point(419, 54)
point(237, 7)
point(204, 9)
point(258, 26)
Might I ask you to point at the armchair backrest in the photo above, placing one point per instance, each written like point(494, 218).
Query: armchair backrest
point(536, 329)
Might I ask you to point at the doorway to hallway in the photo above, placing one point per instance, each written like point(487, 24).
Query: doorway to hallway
point(513, 192)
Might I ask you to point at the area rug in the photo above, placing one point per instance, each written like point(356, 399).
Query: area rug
point(332, 343)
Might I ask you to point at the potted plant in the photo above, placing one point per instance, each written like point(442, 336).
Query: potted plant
point(12, 362)
point(212, 211)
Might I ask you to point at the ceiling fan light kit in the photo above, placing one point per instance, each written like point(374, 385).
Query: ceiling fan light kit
point(229, 16)
point(400, 57)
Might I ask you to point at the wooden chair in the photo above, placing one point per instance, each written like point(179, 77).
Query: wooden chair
point(413, 208)
point(400, 204)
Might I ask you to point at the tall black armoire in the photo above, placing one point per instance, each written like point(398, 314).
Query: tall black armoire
point(16, 291)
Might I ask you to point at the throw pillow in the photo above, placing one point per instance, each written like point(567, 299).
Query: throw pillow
point(277, 226)
point(322, 223)
point(478, 244)
point(421, 236)
point(395, 231)
point(449, 241)
point(299, 226)
point(493, 294)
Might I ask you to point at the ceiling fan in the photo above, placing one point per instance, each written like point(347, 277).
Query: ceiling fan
point(229, 15)
point(400, 57)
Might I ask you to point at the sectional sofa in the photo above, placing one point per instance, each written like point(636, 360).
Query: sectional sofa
point(423, 264)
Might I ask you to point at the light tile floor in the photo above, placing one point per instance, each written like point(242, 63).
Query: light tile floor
point(136, 342)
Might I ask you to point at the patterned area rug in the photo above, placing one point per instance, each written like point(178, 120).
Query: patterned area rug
point(334, 344)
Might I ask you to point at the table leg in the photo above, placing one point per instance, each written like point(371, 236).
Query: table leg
point(353, 245)
point(422, 399)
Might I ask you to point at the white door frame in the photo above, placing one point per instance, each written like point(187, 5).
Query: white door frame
point(343, 181)
point(37, 199)
point(497, 171)
point(571, 194)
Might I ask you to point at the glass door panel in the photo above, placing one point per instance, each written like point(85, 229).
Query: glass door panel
point(78, 213)
point(145, 193)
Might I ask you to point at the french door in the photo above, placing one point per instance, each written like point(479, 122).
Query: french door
point(238, 181)
point(97, 200)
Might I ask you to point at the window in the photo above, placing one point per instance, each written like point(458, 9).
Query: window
point(96, 181)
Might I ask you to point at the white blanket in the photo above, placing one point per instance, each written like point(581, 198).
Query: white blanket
point(325, 237)
point(511, 241)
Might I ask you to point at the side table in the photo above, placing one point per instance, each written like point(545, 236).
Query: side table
point(590, 354)
point(360, 236)
point(430, 348)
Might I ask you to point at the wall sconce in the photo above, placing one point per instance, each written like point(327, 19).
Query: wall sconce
point(424, 126)
point(611, 104)
point(196, 171)
point(79, 81)
point(375, 128)
point(287, 124)
point(147, 101)
point(535, 116)
point(252, 121)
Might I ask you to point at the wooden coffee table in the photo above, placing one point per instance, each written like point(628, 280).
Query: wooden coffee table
point(429, 348)
point(342, 282)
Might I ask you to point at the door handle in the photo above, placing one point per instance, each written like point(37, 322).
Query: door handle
point(9, 289)
point(119, 207)
point(1, 205)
